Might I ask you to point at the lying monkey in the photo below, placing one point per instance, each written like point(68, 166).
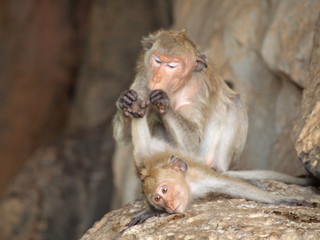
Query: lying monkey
point(172, 180)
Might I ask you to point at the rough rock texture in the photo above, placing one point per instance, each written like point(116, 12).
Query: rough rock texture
point(307, 127)
point(219, 218)
point(39, 54)
point(264, 47)
point(288, 41)
point(62, 190)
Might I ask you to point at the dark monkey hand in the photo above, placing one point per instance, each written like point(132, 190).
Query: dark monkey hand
point(160, 100)
point(131, 105)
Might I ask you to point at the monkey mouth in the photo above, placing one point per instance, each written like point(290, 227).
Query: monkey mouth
point(175, 209)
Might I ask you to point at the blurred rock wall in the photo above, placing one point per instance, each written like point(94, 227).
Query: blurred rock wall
point(62, 66)
point(40, 50)
point(265, 48)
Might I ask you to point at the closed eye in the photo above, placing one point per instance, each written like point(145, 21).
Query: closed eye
point(157, 59)
point(172, 64)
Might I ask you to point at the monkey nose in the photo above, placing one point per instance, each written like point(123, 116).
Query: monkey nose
point(156, 79)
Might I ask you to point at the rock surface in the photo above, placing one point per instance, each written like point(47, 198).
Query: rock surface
point(307, 127)
point(218, 217)
point(62, 190)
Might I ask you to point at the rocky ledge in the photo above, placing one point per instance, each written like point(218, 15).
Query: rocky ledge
point(220, 217)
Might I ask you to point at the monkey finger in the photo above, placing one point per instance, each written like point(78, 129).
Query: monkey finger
point(138, 114)
point(127, 100)
point(123, 105)
point(144, 104)
point(156, 98)
point(162, 103)
point(156, 92)
point(132, 95)
point(125, 113)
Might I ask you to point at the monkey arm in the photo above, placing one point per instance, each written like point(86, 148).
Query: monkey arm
point(185, 133)
point(129, 105)
point(121, 128)
point(144, 145)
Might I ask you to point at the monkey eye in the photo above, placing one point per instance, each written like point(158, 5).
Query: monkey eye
point(157, 59)
point(157, 198)
point(164, 190)
point(172, 64)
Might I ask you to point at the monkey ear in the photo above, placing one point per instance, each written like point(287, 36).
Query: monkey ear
point(177, 164)
point(143, 174)
point(201, 63)
point(147, 42)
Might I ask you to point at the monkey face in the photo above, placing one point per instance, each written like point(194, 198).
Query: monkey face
point(171, 196)
point(167, 72)
point(166, 187)
point(170, 56)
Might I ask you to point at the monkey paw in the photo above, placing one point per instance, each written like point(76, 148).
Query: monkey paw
point(139, 219)
point(131, 105)
point(160, 100)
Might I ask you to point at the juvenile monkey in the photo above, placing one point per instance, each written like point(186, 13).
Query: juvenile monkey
point(192, 107)
point(171, 180)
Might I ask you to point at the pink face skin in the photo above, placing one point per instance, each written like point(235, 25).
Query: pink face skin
point(171, 196)
point(167, 72)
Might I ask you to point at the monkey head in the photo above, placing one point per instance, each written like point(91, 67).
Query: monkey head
point(170, 56)
point(166, 188)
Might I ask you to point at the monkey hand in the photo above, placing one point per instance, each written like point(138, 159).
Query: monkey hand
point(139, 219)
point(131, 105)
point(160, 100)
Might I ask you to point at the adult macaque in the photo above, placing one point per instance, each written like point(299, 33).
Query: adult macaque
point(193, 108)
